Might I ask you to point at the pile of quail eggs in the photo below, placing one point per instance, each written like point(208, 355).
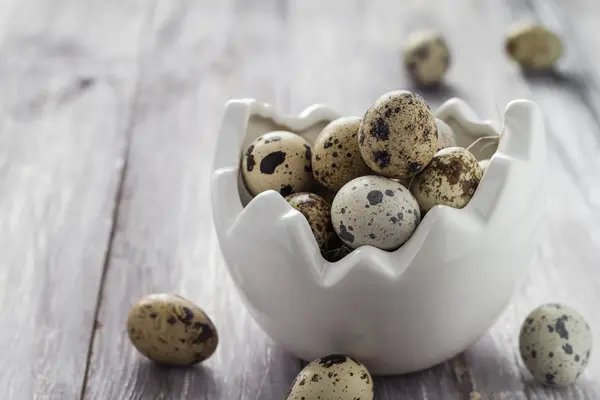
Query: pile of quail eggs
point(382, 171)
point(369, 181)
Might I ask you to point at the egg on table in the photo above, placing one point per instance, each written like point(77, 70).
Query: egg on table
point(336, 158)
point(280, 161)
point(316, 211)
point(533, 46)
point(446, 136)
point(170, 329)
point(374, 210)
point(555, 343)
point(398, 135)
point(333, 377)
point(450, 179)
point(426, 57)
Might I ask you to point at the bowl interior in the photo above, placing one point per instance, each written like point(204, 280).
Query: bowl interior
point(465, 136)
point(486, 136)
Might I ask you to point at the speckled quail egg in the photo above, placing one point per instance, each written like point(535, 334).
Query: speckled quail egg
point(398, 135)
point(336, 158)
point(533, 46)
point(450, 179)
point(446, 136)
point(374, 210)
point(483, 164)
point(426, 57)
point(316, 211)
point(171, 330)
point(280, 161)
point(334, 377)
point(555, 342)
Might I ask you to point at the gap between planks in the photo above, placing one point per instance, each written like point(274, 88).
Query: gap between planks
point(120, 186)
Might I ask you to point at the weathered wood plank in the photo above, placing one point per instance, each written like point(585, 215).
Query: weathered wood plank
point(67, 75)
point(199, 54)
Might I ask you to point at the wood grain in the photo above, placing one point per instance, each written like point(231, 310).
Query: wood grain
point(198, 55)
point(108, 116)
point(65, 89)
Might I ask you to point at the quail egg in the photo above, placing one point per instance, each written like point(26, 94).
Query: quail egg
point(336, 158)
point(374, 210)
point(398, 135)
point(172, 330)
point(533, 46)
point(450, 179)
point(426, 57)
point(279, 161)
point(316, 211)
point(446, 136)
point(334, 377)
point(555, 342)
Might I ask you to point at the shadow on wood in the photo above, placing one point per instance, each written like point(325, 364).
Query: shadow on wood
point(572, 81)
point(200, 378)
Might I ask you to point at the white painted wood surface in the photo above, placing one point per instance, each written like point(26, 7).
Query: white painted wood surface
point(108, 116)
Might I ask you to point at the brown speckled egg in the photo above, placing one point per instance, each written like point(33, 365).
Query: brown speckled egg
point(336, 158)
point(446, 136)
point(334, 377)
point(533, 46)
point(171, 330)
point(450, 179)
point(555, 342)
point(280, 161)
point(426, 57)
point(376, 211)
point(398, 135)
point(316, 211)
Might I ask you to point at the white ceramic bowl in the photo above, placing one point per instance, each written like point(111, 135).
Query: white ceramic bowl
point(398, 311)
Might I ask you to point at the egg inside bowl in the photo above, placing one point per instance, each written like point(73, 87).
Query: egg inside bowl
point(397, 311)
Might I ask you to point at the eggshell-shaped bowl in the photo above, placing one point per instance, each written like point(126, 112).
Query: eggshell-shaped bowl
point(399, 311)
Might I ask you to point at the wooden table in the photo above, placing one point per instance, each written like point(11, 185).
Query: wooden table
point(108, 116)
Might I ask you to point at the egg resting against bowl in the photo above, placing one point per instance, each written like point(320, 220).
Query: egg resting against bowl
point(279, 161)
point(316, 211)
point(451, 179)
